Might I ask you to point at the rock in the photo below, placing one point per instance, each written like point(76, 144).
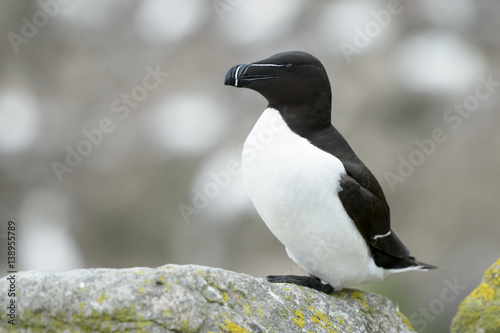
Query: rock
point(187, 298)
point(479, 312)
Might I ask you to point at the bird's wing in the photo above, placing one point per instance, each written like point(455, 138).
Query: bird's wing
point(364, 201)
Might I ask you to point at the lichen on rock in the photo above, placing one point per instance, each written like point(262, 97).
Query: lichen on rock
point(189, 298)
point(480, 310)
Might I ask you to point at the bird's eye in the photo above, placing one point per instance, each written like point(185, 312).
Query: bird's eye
point(289, 67)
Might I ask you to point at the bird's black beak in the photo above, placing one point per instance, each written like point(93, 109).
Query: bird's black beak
point(242, 75)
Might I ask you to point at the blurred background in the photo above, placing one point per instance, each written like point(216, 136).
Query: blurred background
point(120, 146)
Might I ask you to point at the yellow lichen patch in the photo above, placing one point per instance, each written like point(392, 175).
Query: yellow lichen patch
point(141, 290)
point(359, 296)
point(493, 273)
point(142, 324)
point(200, 272)
point(340, 320)
point(97, 321)
point(261, 312)
point(299, 318)
point(321, 319)
point(248, 308)
point(233, 328)
point(102, 298)
point(354, 294)
point(81, 305)
point(405, 320)
point(483, 291)
point(139, 272)
point(165, 313)
point(82, 289)
point(224, 296)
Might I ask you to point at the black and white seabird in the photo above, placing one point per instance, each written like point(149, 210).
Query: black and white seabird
point(307, 184)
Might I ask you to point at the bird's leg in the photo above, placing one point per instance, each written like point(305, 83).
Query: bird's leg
point(306, 281)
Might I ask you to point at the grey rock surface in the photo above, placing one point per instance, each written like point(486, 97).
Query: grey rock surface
point(187, 298)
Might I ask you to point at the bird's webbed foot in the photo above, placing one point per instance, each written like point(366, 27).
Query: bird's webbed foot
point(305, 281)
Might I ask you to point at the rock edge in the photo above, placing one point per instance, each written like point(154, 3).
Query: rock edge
point(188, 298)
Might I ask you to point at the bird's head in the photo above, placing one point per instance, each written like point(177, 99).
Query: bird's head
point(284, 79)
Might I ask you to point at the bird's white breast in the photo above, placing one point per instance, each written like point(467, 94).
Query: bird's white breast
point(294, 187)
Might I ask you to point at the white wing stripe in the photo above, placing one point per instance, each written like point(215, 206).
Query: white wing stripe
point(382, 236)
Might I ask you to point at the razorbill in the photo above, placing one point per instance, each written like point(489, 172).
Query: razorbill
point(307, 184)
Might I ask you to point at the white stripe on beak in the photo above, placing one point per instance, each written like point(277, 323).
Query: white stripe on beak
point(236, 75)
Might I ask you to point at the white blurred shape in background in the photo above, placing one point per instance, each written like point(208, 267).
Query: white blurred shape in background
point(437, 62)
point(19, 120)
point(344, 21)
point(90, 14)
point(168, 21)
point(47, 243)
point(219, 180)
point(259, 20)
point(453, 13)
point(186, 123)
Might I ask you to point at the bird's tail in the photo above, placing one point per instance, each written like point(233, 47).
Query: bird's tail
point(423, 266)
point(412, 265)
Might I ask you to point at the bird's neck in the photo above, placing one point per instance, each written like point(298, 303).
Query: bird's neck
point(305, 119)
